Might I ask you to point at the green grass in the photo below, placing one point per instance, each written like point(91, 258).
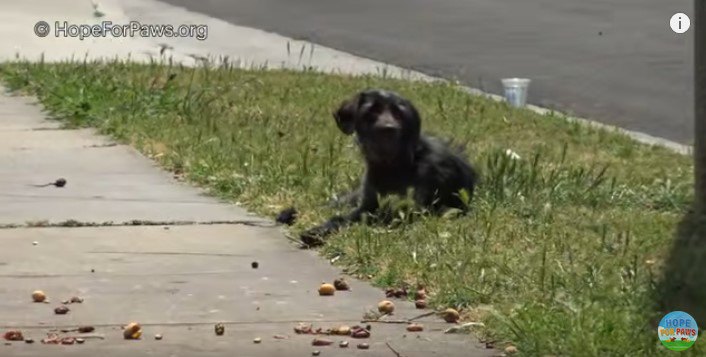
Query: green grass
point(679, 345)
point(562, 254)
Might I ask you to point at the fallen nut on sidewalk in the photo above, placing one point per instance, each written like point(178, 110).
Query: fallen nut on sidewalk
point(359, 332)
point(76, 300)
point(450, 315)
point(303, 328)
point(341, 284)
point(511, 350)
point(39, 296)
point(415, 327)
point(396, 292)
point(386, 307)
point(220, 329)
point(321, 342)
point(341, 330)
point(326, 289)
point(133, 331)
point(61, 310)
point(86, 329)
point(14, 335)
point(363, 346)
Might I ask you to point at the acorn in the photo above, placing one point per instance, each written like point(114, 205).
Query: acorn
point(386, 307)
point(342, 330)
point(76, 300)
point(38, 296)
point(341, 284)
point(326, 289)
point(220, 329)
point(415, 327)
point(14, 335)
point(451, 316)
point(420, 304)
point(132, 331)
point(86, 329)
point(61, 310)
point(390, 292)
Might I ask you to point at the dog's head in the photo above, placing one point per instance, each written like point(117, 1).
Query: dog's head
point(386, 124)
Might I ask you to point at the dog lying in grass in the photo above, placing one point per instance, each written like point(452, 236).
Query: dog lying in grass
point(397, 157)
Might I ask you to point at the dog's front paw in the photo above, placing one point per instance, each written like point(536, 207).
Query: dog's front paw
point(287, 216)
point(314, 237)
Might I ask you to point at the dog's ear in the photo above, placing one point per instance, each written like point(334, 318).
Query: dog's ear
point(346, 115)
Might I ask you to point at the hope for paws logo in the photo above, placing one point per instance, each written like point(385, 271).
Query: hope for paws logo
point(677, 331)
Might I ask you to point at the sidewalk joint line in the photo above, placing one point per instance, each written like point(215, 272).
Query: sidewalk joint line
point(79, 224)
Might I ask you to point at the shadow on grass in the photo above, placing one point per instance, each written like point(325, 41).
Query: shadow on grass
point(683, 285)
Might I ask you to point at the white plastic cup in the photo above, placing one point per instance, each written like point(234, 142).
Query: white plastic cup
point(516, 91)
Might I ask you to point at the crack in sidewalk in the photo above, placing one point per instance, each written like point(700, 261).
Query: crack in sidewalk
point(71, 223)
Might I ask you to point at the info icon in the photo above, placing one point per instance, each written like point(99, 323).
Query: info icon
point(680, 23)
point(677, 331)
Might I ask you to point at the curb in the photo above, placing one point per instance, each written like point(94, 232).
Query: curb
point(635, 135)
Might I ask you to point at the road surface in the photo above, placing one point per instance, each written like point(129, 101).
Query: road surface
point(616, 62)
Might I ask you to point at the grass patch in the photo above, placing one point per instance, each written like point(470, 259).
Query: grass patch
point(561, 255)
point(679, 345)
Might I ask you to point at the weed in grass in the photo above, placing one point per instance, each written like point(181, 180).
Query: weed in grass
point(566, 243)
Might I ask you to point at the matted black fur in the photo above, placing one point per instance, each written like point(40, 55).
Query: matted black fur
point(287, 216)
point(398, 157)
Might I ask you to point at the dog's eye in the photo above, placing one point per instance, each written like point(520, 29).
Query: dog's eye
point(370, 118)
point(398, 111)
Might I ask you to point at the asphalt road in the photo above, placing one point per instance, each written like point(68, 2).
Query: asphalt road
point(616, 62)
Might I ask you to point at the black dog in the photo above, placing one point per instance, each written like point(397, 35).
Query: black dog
point(397, 156)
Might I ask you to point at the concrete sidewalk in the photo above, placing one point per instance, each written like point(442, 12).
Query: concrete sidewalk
point(242, 45)
point(189, 265)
